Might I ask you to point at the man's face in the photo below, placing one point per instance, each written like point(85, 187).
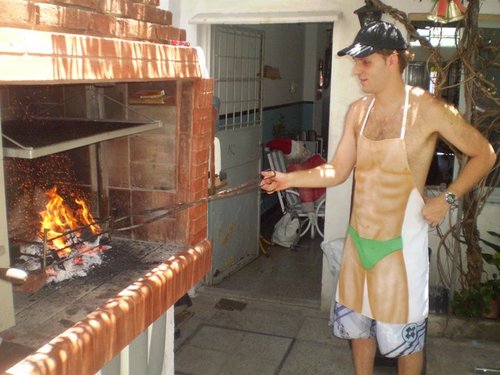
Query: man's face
point(372, 72)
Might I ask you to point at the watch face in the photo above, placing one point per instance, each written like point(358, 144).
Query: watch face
point(450, 198)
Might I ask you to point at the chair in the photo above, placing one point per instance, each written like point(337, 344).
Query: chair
point(311, 216)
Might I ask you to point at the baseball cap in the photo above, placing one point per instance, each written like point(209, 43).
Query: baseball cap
point(375, 37)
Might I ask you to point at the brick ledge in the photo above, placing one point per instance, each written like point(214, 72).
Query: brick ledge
point(95, 340)
point(41, 57)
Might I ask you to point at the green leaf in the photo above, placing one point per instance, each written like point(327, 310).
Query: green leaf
point(494, 246)
point(494, 234)
point(488, 258)
point(491, 259)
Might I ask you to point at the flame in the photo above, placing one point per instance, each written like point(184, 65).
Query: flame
point(58, 218)
point(86, 217)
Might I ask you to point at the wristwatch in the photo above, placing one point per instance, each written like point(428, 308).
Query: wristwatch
point(450, 198)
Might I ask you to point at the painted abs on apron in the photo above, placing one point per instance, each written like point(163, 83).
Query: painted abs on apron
point(384, 273)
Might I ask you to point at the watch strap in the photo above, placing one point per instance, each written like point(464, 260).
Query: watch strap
point(450, 198)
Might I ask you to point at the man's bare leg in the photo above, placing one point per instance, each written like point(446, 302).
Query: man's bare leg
point(411, 364)
point(363, 354)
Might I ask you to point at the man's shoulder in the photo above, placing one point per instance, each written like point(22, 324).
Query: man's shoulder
point(362, 102)
point(428, 106)
point(420, 95)
point(357, 110)
point(425, 98)
point(431, 114)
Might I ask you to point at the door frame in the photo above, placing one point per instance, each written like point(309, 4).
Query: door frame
point(203, 28)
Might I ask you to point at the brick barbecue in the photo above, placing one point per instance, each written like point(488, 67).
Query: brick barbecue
point(80, 48)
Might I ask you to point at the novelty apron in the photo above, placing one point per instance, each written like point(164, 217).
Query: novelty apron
point(384, 271)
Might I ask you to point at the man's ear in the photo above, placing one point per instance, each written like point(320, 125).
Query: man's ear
point(394, 60)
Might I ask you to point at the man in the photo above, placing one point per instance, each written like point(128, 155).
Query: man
point(389, 138)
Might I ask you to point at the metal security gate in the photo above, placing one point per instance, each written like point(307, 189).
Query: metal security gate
point(236, 66)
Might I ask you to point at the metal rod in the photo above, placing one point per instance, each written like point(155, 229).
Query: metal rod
point(96, 222)
point(167, 210)
point(44, 249)
point(31, 242)
point(486, 371)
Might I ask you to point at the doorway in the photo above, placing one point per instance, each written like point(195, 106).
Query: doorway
point(297, 99)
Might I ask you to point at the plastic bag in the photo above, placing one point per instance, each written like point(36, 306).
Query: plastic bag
point(333, 250)
point(286, 231)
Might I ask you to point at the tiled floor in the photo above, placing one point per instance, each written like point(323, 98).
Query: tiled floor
point(233, 351)
point(287, 286)
point(267, 337)
point(277, 327)
point(289, 275)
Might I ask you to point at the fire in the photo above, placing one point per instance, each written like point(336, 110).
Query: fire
point(58, 219)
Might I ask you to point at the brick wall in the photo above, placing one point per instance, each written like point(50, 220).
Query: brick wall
point(125, 19)
point(202, 130)
point(165, 167)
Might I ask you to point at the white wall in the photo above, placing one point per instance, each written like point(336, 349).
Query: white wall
point(344, 88)
point(310, 55)
point(295, 50)
point(317, 39)
point(284, 49)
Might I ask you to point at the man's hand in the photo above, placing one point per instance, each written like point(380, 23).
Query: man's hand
point(273, 181)
point(435, 209)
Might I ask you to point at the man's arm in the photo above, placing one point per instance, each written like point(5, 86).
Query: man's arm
point(331, 173)
point(454, 129)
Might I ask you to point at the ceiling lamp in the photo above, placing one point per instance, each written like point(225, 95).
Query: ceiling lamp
point(368, 13)
point(446, 11)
